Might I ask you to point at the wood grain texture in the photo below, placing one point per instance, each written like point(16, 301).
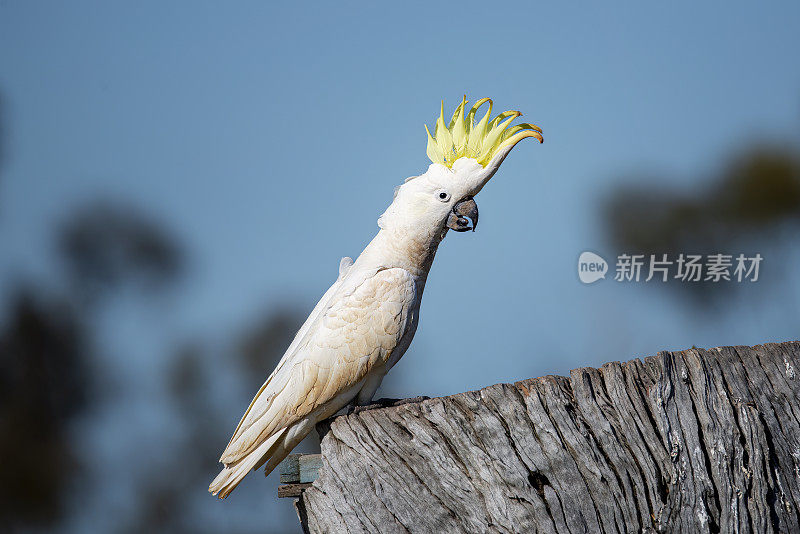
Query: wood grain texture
point(689, 441)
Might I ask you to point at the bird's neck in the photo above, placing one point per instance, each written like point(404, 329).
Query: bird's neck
point(412, 251)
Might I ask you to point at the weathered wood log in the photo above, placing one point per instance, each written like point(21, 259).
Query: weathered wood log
point(689, 441)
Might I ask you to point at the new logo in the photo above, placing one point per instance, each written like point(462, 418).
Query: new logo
point(591, 267)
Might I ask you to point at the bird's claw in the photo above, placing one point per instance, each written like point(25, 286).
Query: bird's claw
point(385, 403)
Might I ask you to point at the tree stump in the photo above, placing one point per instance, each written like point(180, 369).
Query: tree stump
point(690, 441)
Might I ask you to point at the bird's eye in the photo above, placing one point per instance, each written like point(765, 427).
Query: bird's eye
point(443, 195)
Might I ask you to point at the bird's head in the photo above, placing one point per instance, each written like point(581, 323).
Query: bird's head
point(464, 155)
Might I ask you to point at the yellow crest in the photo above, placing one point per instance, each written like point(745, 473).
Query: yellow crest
point(464, 138)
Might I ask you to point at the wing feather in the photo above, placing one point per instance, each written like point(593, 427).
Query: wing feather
point(321, 306)
point(353, 328)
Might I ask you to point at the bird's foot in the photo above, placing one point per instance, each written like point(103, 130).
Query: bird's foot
point(385, 403)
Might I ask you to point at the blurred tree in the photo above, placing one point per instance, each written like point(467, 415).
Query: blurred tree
point(45, 354)
point(168, 491)
point(43, 384)
point(753, 199)
point(107, 245)
point(166, 494)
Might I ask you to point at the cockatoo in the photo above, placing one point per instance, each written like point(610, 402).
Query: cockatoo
point(365, 322)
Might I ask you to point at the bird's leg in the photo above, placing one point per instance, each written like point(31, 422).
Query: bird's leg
point(363, 400)
point(364, 397)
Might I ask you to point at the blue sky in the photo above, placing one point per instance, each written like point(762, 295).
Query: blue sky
point(269, 138)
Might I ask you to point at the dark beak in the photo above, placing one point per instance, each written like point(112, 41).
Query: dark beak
point(463, 212)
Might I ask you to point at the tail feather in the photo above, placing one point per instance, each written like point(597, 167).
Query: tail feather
point(271, 452)
point(230, 476)
point(285, 445)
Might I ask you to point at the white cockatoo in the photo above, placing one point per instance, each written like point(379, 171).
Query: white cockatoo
point(366, 320)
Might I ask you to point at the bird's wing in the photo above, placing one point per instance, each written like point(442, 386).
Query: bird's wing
point(322, 306)
point(358, 326)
